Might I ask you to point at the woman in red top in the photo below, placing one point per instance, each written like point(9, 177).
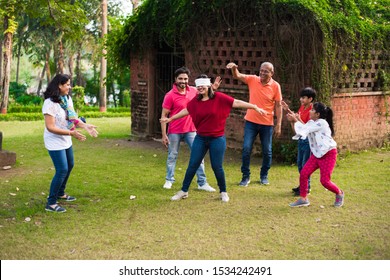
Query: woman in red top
point(209, 111)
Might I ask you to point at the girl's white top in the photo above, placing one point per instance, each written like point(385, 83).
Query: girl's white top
point(55, 142)
point(319, 134)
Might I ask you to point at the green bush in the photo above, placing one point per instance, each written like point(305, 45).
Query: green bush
point(285, 151)
point(78, 98)
point(16, 90)
point(18, 108)
point(27, 99)
point(34, 116)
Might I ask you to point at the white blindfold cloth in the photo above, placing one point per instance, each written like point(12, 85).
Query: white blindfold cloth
point(202, 82)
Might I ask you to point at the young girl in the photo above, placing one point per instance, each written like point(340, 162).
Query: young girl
point(319, 130)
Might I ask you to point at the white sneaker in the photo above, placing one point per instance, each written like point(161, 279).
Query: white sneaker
point(167, 185)
point(180, 195)
point(224, 197)
point(206, 187)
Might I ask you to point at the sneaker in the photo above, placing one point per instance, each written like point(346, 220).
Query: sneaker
point(224, 197)
point(244, 182)
point(66, 198)
point(300, 202)
point(206, 187)
point(339, 200)
point(56, 208)
point(180, 195)
point(264, 181)
point(167, 185)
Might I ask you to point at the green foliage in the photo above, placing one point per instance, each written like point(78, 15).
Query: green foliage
point(16, 90)
point(126, 99)
point(34, 113)
point(383, 80)
point(28, 99)
point(78, 97)
point(285, 152)
point(346, 27)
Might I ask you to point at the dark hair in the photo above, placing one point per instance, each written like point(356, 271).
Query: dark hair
point(182, 70)
point(309, 92)
point(326, 113)
point(210, 90)
point(53, 91)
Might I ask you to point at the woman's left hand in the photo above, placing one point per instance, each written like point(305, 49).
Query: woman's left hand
point(217, 83)
point(91, 129)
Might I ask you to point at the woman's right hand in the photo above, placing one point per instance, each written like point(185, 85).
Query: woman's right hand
point(76, 134)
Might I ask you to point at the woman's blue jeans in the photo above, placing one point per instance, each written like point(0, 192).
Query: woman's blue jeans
point(251, 130)
point(200, 146)
point(63, 163)
point(173, 152)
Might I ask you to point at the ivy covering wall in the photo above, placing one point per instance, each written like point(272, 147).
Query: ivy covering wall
point(341, 35)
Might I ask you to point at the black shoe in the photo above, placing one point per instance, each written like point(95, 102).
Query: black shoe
point(295, 189)
point(297, 192)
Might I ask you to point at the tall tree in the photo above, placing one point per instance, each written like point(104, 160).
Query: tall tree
point(10, 26)
point(103, 61)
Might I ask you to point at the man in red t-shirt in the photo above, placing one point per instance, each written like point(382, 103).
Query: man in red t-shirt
point(265, 92)
point(180, 130)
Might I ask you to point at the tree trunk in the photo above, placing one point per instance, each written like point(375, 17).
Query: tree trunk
point(6, 67)
point(1, 66)
point(47, 66)
point(41, 80)
point(79, 80)
point(18, 62)
point(61, 63)
point(103, 62)
point(70, 65)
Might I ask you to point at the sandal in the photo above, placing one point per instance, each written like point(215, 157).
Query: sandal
point(56, 208)
point(67, 198)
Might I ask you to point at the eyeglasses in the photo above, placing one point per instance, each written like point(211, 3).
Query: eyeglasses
point(265, 71)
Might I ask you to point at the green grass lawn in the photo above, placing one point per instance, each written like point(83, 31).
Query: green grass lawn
point(104, 223)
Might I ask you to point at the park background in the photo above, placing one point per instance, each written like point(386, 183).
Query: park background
point(104, 223)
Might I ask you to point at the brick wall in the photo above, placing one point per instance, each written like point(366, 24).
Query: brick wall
point(360, 120)
point(142, 94)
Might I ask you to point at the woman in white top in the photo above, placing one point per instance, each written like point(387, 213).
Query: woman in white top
point(319, 131)
point(58, 135)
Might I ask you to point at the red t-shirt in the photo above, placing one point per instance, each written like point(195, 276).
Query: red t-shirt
point(175, 102)
point(305, 113)
point(210, 116)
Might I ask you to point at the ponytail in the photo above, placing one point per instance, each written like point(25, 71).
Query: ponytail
point(326, 113)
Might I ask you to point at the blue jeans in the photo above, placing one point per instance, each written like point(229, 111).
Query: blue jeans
point(303, 154)
point(217, 147)
point(251, 130)
point(63, 162)
point(173, 151)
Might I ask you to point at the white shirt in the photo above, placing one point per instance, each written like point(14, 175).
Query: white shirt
point(55, 142)
point(319, 134)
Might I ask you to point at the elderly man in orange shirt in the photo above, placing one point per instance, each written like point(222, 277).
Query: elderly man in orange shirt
point(266, 93)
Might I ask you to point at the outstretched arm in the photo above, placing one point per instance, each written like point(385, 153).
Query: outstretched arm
point(236, 74)
point(90, 128)
point(179, 115)
point(245, 105)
